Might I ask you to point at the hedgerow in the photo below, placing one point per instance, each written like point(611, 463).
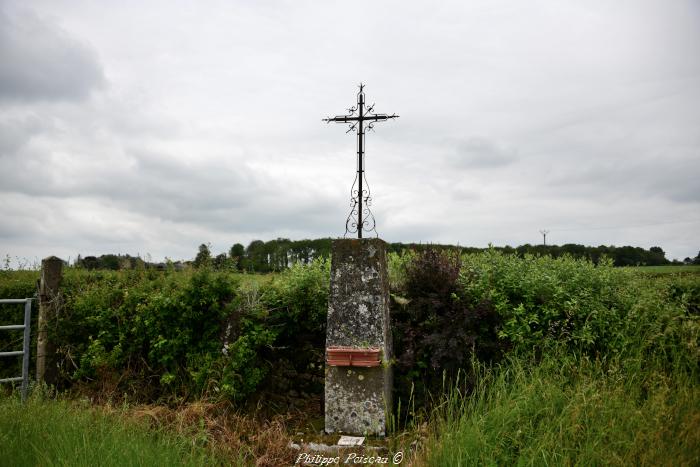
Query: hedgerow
point(173, 335)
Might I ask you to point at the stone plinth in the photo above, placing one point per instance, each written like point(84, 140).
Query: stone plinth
point(358, 398)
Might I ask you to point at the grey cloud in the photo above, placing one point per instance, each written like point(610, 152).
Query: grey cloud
point(461, 193)
point(482, 153)
point(155, 185)
point(40, 61)
point(672, 179)
point(16, 132)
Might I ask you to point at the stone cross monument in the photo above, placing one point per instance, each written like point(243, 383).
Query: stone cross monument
point(358, 337)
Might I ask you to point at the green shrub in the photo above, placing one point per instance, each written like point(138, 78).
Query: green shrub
point(160, 333)
point(436, 331)
point(598, 310)
point(297, 301)
point(453, 309)
point(16, 284)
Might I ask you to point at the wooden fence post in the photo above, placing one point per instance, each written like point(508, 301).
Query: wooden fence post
point(51, 273)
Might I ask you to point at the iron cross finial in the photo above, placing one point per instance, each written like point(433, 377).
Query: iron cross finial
point(360, 218)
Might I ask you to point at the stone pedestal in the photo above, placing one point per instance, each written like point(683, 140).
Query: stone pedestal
point(358, 395)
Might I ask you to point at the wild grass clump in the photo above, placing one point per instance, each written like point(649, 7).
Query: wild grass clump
point(563, 410)
point(242, 439)
point(50, 432)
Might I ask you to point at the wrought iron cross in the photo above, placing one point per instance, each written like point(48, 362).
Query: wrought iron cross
point(360, 217)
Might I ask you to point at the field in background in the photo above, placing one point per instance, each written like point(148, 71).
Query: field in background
point(688, 269)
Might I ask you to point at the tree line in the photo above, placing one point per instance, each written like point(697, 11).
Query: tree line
point(279, 254)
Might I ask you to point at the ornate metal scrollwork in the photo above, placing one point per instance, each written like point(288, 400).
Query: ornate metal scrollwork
point(360, 119)
point(369, 224)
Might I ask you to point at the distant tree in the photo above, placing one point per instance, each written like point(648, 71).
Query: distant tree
point(203, 257)
point(697, 259)
point(109, 262)
point(256, 257)
point(236, 254)
point(278, 252)
point(90, 262)
point(656, 256)
point(220, 261)
point(237, 250)
point(126, 262)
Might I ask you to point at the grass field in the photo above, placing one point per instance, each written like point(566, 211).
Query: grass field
point(689, 269)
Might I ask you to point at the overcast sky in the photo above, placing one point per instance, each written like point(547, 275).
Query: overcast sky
point(152, 127)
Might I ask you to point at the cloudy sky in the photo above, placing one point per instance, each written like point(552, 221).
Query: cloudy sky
point(151, 127)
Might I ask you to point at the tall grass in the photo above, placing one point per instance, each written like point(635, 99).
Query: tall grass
point(564, 410)
point(58, 433)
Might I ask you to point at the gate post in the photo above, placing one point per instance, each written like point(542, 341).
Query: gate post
point(51, 273)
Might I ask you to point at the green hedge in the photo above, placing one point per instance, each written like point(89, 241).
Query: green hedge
point(188, 334)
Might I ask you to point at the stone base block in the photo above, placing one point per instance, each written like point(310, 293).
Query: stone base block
point(357, 400)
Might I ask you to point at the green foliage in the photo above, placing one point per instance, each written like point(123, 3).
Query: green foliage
point(454, 310)
point(600, 367)
point(110, 261)
point(675, 269)
point(428, 344)
point(16, 284)
point(236, 255)
point(297, 301)
point(183, 334)
point(588, 308)
point(170, 335)
point(161, 333)
point(279, 254)
point(397, 264)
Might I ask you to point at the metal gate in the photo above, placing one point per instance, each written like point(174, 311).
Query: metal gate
point(25, 345)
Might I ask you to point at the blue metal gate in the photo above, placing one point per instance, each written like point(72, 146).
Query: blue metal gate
point(24, 353)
